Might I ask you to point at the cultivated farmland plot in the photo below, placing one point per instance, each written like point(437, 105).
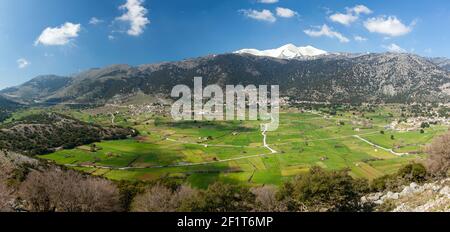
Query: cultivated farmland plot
point(201, 153)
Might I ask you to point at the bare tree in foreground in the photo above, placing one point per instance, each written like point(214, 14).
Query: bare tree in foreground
point(439, 155)
point(69, 191)
point(266, 200)
point(5, 197)
point(6, 168)
point(162, 199)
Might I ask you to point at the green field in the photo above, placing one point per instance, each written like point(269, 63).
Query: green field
point(201, 153)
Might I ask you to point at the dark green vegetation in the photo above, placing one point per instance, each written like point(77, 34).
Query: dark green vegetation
point(319, 190)
point(414, 172)
point(7, 107)
point(38, 134)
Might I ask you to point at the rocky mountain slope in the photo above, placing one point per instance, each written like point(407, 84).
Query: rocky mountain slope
point(442, 62)
point(430, 197)
point(37, 88)
point(5, 103)
point(343, 78)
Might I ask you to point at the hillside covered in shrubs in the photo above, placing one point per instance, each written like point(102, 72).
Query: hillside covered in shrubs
point(42, 133)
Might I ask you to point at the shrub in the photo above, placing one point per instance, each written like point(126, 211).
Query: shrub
point(413, 173)
point(409, 173)
point(221, 197)
point(380, 184)
point(5, 196)
point(319, 190)
point(128, 191)
point(60, 191)
point(439, 155)
point(425, 125)
point(162, 199)
point(266, 200)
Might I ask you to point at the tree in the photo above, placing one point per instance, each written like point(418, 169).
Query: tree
point(68, 191)
point(156, 199)
point(93, 147)
point(6, 168)
point(319, 190)
point(413, 173)
point(221, 197)
point(425, 125)
point(266, 200)
point(162, 199)
point(5, 197)
point(128, 191)
point(439, 155)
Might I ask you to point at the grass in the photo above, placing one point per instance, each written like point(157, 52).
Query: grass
point(302, 140)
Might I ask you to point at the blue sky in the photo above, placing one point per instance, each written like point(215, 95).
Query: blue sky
point(67, 36)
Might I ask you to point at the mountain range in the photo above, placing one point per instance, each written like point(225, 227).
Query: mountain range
point(304, 73)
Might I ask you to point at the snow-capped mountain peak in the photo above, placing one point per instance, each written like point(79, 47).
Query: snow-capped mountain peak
point(288, 51)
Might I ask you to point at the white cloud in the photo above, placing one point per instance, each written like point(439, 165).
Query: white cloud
point(394, 48)
point(264, 15)
point(111, 37)
point(390, 26)
point(95, 21)
point(327, 10)
point(268, 1)
point(361, 9)
point(285, 12)
point(22, 63)
point(345, 19)
point(360, 38)
point(328, 32)
point(135, 15)
point(351, 15)
point(58, 36)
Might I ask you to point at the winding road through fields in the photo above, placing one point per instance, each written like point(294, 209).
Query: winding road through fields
point(264, 134)
point(264, 142)
point(380, 147)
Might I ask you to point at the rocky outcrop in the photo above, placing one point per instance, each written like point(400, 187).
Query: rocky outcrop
point(430, 197)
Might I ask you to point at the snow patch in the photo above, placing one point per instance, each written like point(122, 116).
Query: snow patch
point(288, 51)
